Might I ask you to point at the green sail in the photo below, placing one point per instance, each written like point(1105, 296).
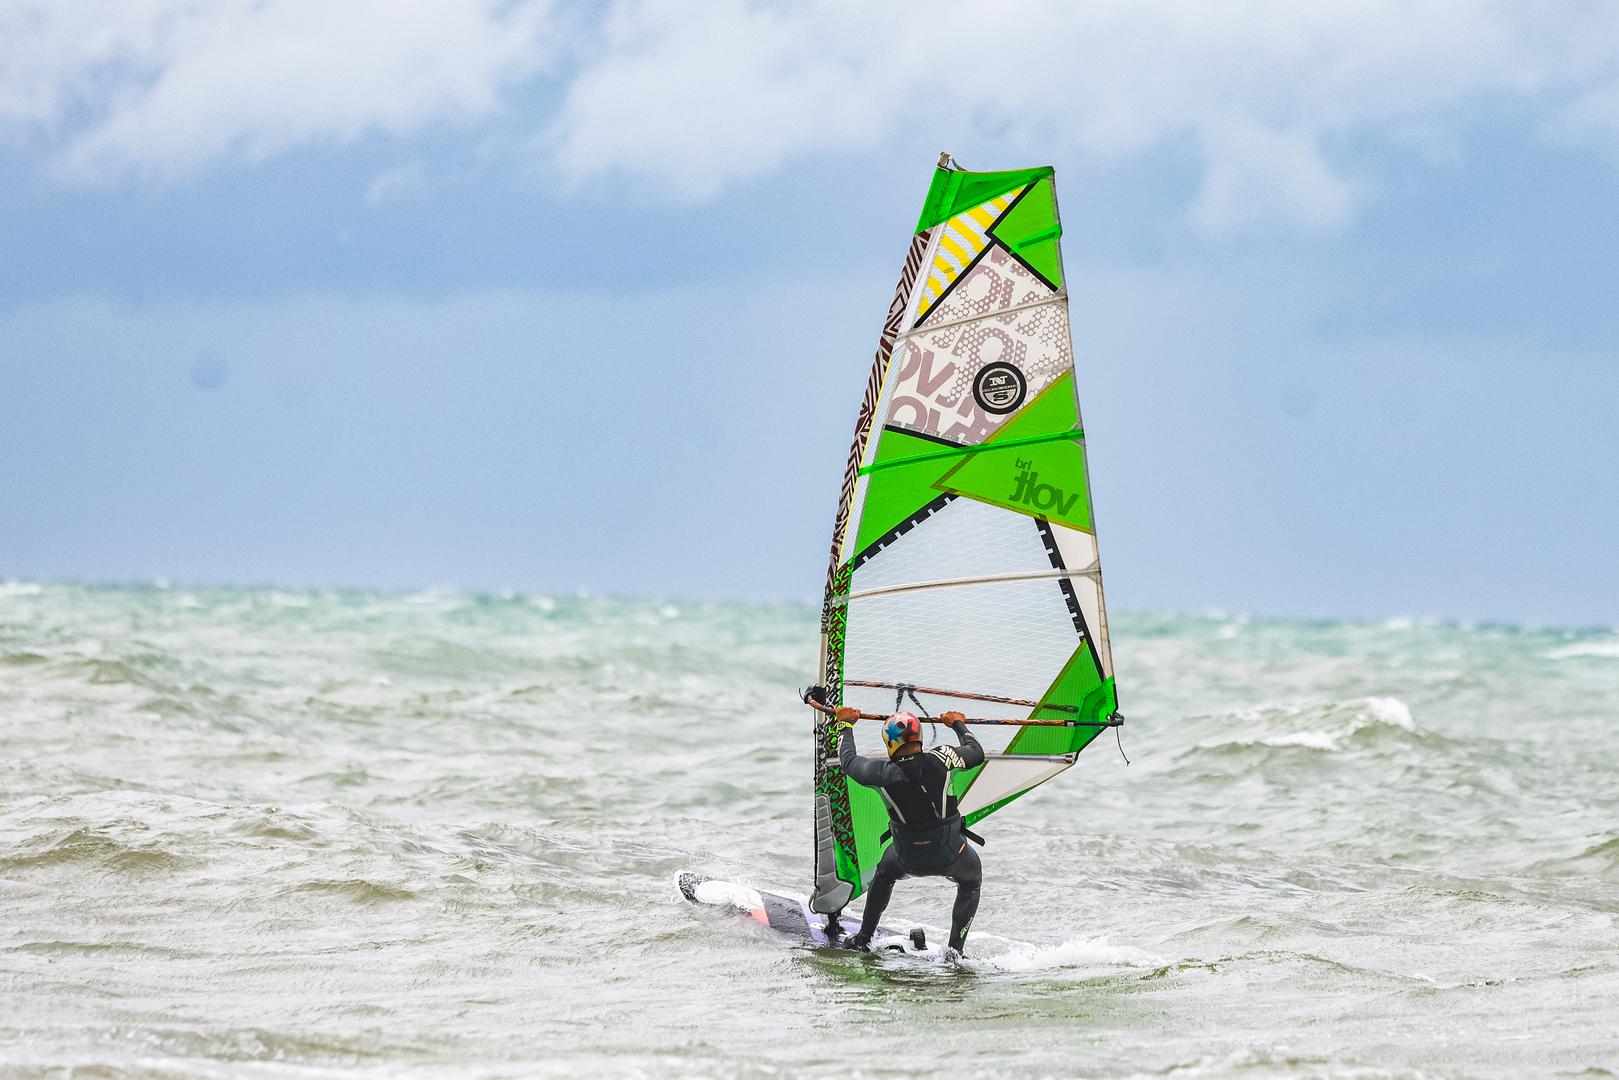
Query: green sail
point(964, 559)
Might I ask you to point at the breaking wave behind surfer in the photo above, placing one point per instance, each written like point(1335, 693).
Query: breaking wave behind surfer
point(929, 837)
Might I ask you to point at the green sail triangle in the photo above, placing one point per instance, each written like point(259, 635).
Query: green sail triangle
point(897, 486)
point(1034, 464)
point(1079, 684)
point(954, 190)
point(1030, 230)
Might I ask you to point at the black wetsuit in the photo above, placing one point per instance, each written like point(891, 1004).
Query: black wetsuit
point(926, 826)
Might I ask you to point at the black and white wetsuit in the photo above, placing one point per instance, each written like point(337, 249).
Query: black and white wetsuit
point(926, 826)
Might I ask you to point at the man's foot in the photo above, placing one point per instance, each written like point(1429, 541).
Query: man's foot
point(859, 942)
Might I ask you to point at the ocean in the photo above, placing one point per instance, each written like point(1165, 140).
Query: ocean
point(264, 833)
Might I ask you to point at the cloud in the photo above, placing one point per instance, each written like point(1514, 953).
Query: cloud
point(1253, 172)
point(688, 100)
point(1591, 117)
point(702, 98)
point(172, 86)
point(403, 184)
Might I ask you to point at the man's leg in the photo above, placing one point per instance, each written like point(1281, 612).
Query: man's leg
point(882, 888)
point(968, 874)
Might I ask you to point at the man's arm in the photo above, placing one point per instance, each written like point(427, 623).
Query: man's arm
point(867, 771)
point(971, 753)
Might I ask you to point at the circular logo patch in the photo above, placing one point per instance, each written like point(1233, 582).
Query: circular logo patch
point(999, 388)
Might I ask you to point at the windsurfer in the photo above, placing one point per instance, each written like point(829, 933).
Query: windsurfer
point(930, 838)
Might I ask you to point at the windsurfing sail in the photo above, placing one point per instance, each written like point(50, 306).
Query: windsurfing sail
point(964, 565)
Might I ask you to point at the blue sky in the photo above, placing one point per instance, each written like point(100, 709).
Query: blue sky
point(515, 295)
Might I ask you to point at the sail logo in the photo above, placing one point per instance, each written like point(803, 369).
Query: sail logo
point(999, 388)
point(1031, 492)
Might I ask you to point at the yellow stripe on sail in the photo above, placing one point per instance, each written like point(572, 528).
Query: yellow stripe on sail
point(974, 240)
point(961, 240)
point(963, 256)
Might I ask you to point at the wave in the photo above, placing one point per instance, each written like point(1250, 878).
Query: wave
point(1607, 650)
point(1258, 1062)
point(1366, 716)
point(358, 890)
point(1092, 955)
point(1600, 859)
point(90, 844)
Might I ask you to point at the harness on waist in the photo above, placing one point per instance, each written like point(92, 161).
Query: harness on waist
point(931, 846)
point(889, 832)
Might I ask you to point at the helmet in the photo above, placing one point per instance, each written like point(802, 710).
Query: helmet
point(902, 728)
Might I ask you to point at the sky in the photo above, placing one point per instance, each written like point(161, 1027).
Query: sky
point(548, 297)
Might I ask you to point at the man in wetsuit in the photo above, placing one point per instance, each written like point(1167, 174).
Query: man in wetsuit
point(929, 837)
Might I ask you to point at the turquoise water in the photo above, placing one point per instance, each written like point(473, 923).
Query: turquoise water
point(297, 834)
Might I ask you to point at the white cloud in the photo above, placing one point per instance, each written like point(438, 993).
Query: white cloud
point(688, 99)
point(1254, 172)
point(402, 184)
point(172, 86)
point(700, 98)
point(1591, 117)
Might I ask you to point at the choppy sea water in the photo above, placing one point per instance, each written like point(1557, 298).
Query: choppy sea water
point(254, 833)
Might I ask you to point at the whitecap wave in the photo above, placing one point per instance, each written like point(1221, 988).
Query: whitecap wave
point(1088, 954)
point(1311, 740)
point(1392, 711)
point(1608, 650)
point(1368, 712)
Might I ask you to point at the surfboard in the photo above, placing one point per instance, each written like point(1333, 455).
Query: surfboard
point(791, 917)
